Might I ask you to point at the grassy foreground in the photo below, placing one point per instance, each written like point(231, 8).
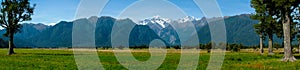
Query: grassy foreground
point(63, 59)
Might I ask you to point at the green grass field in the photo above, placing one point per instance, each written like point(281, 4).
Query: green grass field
point(63, 59)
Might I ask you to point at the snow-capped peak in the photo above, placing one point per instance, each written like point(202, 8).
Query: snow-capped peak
point(188, 19)
point(164, 22)
point(51, 24)
point(156, 20)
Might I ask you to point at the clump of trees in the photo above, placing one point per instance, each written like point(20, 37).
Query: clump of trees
point(207, 46)
point(12, 12)
point(277, 17)
point(139, 47)
point(235, 47)
point(229, 47)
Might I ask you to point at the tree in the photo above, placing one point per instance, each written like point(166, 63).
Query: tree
point(12, 12)
point(271, 29)
point(267, 25)
point(282, 11)
point(259, 30)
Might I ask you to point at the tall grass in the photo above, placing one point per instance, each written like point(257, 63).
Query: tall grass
point(63, 59)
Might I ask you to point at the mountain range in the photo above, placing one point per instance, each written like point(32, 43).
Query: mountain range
point(239, 30)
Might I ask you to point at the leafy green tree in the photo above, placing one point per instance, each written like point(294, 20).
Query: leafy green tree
point(271, 29)
point(267, 26)
point(259, 30)
point(12, 12)
point(282, 11)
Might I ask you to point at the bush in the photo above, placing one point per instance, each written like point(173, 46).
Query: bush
point(176, 47)
point(234, 47)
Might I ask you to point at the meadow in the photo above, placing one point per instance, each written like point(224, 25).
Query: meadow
point(63, 59)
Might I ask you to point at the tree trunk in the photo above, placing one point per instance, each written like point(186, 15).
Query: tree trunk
point(271, 45)
point(11, 44)
point(288, 54)
point(261, 44)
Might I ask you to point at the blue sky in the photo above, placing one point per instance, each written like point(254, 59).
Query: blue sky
point(53, 11)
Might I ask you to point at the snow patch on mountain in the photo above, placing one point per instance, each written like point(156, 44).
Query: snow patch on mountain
point(188, 19)
point(163, 22)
